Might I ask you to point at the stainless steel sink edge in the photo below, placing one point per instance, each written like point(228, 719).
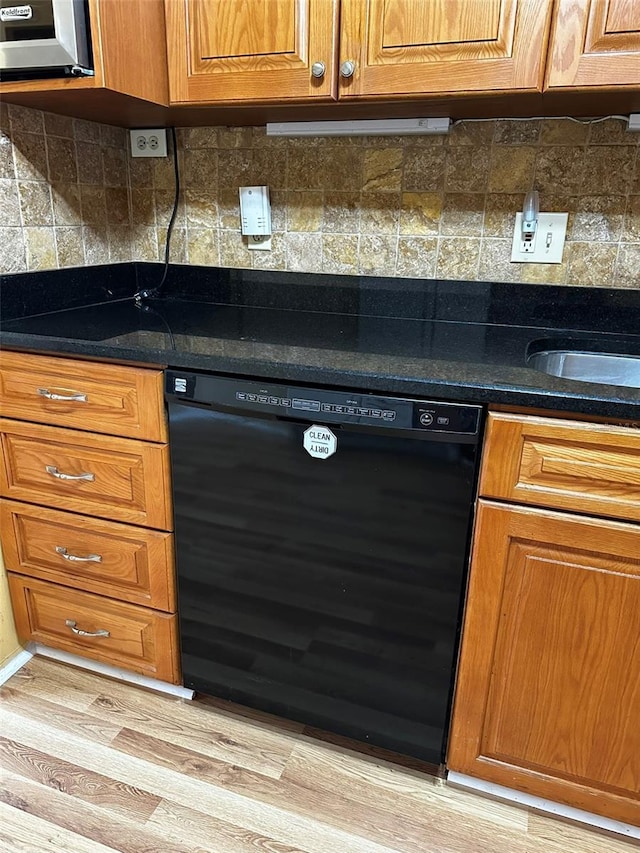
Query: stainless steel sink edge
point(577, 365)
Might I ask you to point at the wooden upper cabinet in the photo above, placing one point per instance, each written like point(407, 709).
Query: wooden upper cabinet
point(433, 47)
point(595, 43)
point(548, 691)
point(251, 50)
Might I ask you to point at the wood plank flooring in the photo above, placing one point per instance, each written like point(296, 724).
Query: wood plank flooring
point(91, 765)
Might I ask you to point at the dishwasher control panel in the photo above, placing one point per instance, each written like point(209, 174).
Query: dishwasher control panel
point(324, 405)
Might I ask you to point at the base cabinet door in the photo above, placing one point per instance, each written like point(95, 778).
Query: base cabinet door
point(251, 50)
point(548, 692)
point(595, 43)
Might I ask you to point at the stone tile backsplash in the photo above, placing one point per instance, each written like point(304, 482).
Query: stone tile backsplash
point(400, 206)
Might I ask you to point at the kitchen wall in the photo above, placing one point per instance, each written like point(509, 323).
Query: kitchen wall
point(414, 206)
point(9, 644)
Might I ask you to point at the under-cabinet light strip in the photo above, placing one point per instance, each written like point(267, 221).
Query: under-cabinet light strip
point(369, 127)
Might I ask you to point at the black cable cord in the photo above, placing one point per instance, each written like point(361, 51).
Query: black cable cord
point(156, 292)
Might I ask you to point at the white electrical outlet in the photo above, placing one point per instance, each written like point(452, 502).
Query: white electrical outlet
point(546, 245)
point(259, 242)
point(148, 143)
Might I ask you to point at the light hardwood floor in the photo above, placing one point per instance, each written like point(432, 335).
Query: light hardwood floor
point(91, 765)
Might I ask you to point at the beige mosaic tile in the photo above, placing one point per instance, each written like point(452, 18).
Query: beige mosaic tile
point(420, 213)
point(612, 131)
point(66, 204)
point(563, 132)
point(233, 168)
point(516, 132)
point(499, 213)
point(143, 208)
point(591, 263)
point(304, 210)
point(416, 257)
point(119, 244)
point(380, 212)
point(55, 125)
point(61, 159)
point(202, 247)
point(560, 169)
point(382, 169)
point(35, 203)
point(628, 266)
point(89, 163)
point(340, 254)
point(458, 258)
point(41, 248)
point(610, 167)
point(343, 168)
point(495, 261)
point(304, 249)
point(512, 169)
point(30, 157)
point(69, 246)
point(86, 131)
point(305, 169)
point(178, 247)
point(377, 255)
point(112, 136)
point(599, 218)
point(472, 133)
point(117, 203)
point(7, 169)
point(462, 215)
point(424, 168)
point(12, 252)
point(25, 120)
point(467, 169)
point(269, 168)
point(198, 137)
point(93, 205)
point(341, 212)
point(201, 207)
point(276, 259)
point(96, 245)
point(229, 208)
point(9, 203)
point(542, 273)
point(114, 164)
point(144, 243)
point(140, 172)
point(164, 201)
point(631, 230)
point(235, 137)
point(233, 250)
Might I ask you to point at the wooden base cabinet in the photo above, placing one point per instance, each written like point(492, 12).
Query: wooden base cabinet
point(548, 692)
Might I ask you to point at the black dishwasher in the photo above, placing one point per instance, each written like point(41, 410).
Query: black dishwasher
point(321, 545)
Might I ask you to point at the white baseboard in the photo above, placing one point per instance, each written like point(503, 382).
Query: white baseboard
point(460, 780)
point(14, 664)
point(112, 671)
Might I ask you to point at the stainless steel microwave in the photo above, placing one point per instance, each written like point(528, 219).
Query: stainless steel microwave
point(44, 38)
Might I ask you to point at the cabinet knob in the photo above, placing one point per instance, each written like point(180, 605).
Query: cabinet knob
point(348, 68)
point(318, 69)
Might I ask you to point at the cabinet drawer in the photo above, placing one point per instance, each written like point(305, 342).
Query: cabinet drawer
point(560, 464)
point(124, 635)
point(116, 478)
point(116, 560)
point(106, 398)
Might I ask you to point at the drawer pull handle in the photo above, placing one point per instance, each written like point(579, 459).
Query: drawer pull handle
point(71, 624)
point(67, 398)
point(90, 558)
point(51, 469)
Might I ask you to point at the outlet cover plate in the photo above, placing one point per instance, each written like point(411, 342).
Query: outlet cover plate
point(549, 240)
point(259, 242)
point(148, 143)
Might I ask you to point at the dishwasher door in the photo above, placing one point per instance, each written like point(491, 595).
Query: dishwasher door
point(323, 590)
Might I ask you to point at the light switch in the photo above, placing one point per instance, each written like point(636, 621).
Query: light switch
point(547, 244)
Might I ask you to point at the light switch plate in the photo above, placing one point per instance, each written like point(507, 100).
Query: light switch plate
point(548, 243)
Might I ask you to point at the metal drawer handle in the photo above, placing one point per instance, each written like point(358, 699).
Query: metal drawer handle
point(51, 469)
point(90, 558)
point(69, 398)
point(71, 624)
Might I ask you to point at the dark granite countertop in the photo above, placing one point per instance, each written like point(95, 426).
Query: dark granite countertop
point(451, 340)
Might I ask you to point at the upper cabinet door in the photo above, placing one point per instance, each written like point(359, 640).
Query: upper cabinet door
point(251, 50)
point(433, 47)
point(595, 43)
